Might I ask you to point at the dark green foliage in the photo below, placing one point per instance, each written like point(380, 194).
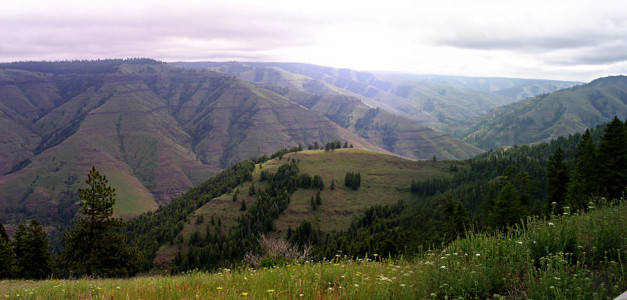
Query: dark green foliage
point(365, 121)
point(32, 256)
point(330, 146)
point(243, 206)
point(352, 180)
point(557, 178)
point(313, 204)
point(317, 183)
point(251, 189)
point(613, 159)
point(455, 218)
point(584, 176)
point(7, 256)
point(91, 247)
point(506, 210)
point(389, 135)
point(318, 198)
point(224, 249)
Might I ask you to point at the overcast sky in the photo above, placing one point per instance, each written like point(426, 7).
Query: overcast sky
point(554, 39)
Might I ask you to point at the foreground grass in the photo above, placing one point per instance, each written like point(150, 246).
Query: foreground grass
point(568, 257)
point(331, 279)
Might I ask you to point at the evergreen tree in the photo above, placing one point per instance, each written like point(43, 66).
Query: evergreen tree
point(32, 256)
point(345, 144)
point(7, 256)
point(613, 159)
point(557, 178)
point(332, 184)
point(318, 198)
point(455, 217)
point(251, 190)
point(434, 158)
point(583, 179)
point(506, 210)
point(243, 206)
point(91, 247)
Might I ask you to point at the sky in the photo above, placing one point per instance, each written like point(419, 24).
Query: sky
point(551, 39)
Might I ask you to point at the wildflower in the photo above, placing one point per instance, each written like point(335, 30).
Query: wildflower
point(375, 255)
point(244, 294)
point(301, 295)
point(551, 224)
point(337, 255)
point(443, 267)
point(402, 285)
point(219, 288)
point(270, 291)
point(478, 254)
point(519, 242)
point(356, 285)
point(118, 287)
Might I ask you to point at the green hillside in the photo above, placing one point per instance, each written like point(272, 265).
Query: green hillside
point(385, 179)
point(549, 116)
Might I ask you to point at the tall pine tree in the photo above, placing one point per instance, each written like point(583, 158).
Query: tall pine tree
point(32, 256)
point(583, 178)
point(92, 248)
point(613, 159)
point(557, 178)
point(7, 256)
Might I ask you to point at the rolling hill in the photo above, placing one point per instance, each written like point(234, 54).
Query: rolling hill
point(385, 179)
point(156, 130)
point(548, 116)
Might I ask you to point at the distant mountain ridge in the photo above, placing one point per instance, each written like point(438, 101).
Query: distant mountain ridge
point(551, 115)
point(156, 130)
point(432, 100)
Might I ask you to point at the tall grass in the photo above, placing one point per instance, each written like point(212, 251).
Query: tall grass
point(567, 257)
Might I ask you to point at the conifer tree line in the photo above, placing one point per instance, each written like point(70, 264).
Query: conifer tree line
point(495, 191)
point(352, 180)
point(91, 248)
point(330, 146)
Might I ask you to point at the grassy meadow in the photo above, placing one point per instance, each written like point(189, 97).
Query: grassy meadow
point(567, 257)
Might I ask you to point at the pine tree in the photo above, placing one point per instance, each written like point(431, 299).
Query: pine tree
point(506, 210)
point(243, 206)
point(91, 247)
point(318, 198)
point(32, 256)
point(613, 159)
point(7, 256)
point(557, 178)
point(583, 178)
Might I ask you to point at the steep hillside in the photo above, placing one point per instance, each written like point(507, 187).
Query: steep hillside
point(385, 179)
point(429, 103)
point(549, 116)
point(395, 133)
point(515, 88)
point(154, 130)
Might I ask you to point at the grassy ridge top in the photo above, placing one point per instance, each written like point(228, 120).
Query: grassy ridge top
point(385, 179)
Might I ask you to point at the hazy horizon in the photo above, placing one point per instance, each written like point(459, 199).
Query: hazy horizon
point(562, 40)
